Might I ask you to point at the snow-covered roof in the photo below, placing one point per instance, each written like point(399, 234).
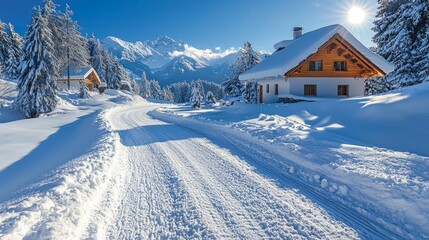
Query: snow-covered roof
point(282, 44)
point(102, 84)
point(79, 74)
point(296, 51)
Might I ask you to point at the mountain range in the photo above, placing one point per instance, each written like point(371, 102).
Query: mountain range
point(168, 60)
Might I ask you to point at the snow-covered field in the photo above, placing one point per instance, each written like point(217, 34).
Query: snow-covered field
point(116, 166)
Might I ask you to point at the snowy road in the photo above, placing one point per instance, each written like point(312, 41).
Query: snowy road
point(180, 182)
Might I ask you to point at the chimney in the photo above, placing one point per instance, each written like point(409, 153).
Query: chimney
point(297, 32)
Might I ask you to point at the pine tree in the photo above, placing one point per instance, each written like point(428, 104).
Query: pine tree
point(196, 99)
point(145, 87)
point(1, 70)
point(250, 93)
point(56, 26)
point(211, 99)
point(181, 91)
point(156, 90)
point(14, 54)
point(399, 27)
point(74, 53)
point(247, 59)
point(134, 86)
point(377, 85)
point(4, 44)
point(168, 95)
point(84, 91)
point(37, 81)
point(232, 87)
point(108, 71)
point(119, 73)
point(198, 84)
point(96, 57)
point(423, 61)
point(422, 42)
point(108, 68)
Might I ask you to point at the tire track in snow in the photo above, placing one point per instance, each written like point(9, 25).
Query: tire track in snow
point(155, 203)
point(275, 212)
point(182, 185)
point(265, 161)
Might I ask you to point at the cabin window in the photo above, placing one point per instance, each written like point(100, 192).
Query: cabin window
point(340, 66)
point(310, 90)
point(276, 89)
point(268, 88)
point(315, 65)
point(343, 90)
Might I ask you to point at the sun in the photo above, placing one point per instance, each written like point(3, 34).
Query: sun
point(356, 15)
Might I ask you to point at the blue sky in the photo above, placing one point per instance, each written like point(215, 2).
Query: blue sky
point(203, 23)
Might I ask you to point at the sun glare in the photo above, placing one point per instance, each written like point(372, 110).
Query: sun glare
point(356, 15)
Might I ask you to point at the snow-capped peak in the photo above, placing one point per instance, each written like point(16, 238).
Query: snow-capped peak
point(162, 41)
point(157, 53)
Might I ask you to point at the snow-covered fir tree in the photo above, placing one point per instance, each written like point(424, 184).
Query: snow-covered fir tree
point(118, 72)
point(4, 44)
point(1, 70)
point(108, 67)
point(14, 53)
point(376, 85)
point(38, 73)
point(232, 87)
point(96, 56)
point(110, 76)
point(134, 86)
point(145, 87)
point(422, 41)
point(75, 53)
point(198, 84)
point(211, 99)
point(56, 26)
point(196, 99)
point(247, 59)
point(181, 91)
point(168, 95)
point(84, 91)
point(156, 91)
point(250, 93)
point(401, 28)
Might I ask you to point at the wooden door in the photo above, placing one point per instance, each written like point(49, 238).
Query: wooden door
point(261, 96)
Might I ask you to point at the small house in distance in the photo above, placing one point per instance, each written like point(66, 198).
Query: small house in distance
point(86, 75)
point(328, 62)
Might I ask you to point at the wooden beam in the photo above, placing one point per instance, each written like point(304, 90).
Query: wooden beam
point(363, 59)
point(331, 47)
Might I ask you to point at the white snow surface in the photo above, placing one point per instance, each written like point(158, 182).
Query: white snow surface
point(298, 50)
point(370, 151)
point(118, 167)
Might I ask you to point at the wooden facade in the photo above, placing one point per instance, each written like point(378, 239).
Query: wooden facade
point(88, 76)
point(336, 50)
point(91, 80)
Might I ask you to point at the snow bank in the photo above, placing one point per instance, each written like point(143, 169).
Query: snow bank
point(57, 176)
point(57, 206)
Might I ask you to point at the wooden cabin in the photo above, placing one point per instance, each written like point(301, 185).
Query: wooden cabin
point(328, 62)
point(86, 75)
